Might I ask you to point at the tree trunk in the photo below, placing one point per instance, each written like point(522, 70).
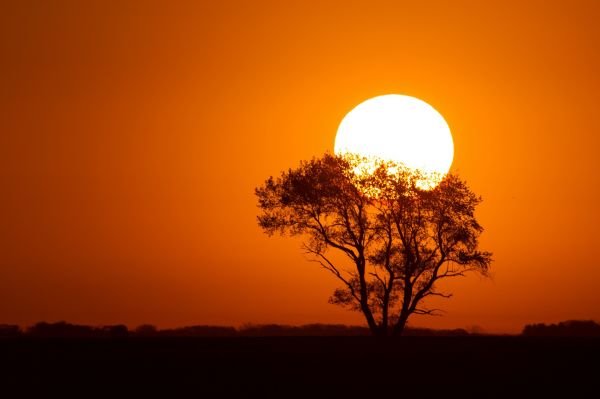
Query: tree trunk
point(384, 311)
point(364, 307)
point(364, 297)
point(406, 307)
point(401, 324)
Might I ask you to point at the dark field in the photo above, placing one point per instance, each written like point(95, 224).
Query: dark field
point(473, 366)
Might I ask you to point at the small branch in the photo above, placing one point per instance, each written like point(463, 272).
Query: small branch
point(383, 283)
point(431, 293)
point(429, 312)
point(328, 265)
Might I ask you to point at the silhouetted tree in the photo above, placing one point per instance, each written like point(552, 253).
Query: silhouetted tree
point(60, 329)
point(9, 331)
point(569, 328)
point(114, 331)
point(200, 331)
point(146, 330)
point(314, 330)
point(400, 237)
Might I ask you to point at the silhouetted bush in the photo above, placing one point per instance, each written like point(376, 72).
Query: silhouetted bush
point(334, 330)
point(9, 331)
point(570, 328)
point(66, 330)
point(200, 331)
point(428, 332)
point(63, 329)
point(272, 330)
point(60, 329)
point(321, 330)
point(115, 331)
point(146, 330)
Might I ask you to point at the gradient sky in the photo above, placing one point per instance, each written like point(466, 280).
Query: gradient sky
point(132, 136)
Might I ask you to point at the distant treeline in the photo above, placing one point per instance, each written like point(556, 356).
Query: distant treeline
point(571, 328)
point(67, 330)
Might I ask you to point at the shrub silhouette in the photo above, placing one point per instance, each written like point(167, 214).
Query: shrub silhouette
point(569, 328)
point(60, 329)
point(115, 331)
point(63, 329)
point(146, 330)
point(277, 330)
point(10, 331)
point(200, 331)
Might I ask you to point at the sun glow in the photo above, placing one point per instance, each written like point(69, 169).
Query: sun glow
point(400, 129)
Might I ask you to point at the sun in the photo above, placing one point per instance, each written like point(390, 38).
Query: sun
point(401, 129)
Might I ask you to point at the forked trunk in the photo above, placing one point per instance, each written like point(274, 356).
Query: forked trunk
point(401, 324)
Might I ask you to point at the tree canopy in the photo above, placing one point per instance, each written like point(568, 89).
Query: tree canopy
point(398, 235)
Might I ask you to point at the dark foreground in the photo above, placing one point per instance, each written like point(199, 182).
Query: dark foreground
point(300, 366)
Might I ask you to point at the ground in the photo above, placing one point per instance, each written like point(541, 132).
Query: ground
point(471, 366)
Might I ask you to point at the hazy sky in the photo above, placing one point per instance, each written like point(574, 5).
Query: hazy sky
point(132, 136)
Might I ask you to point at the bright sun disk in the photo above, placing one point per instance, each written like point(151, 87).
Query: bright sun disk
point(401, 129)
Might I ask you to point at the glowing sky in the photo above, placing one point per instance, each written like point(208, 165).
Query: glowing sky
point(132, 136)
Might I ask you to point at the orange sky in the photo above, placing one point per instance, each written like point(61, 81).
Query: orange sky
point(132, 137)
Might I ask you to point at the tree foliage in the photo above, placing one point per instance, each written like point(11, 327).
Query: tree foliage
point(400, 236)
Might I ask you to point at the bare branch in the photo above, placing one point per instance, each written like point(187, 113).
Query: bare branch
point(429, 312)
point(432, 293)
